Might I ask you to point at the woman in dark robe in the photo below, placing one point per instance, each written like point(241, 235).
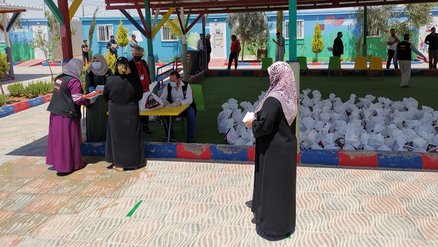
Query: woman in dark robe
point(64, 140)
point(97, 117)
point(124, 142)
point(273, 126)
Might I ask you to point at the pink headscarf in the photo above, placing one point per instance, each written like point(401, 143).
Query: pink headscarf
point(73, 68)
point(283, 89)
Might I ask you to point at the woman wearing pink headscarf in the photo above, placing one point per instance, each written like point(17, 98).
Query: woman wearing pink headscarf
point(273, 202)
point(64, 144)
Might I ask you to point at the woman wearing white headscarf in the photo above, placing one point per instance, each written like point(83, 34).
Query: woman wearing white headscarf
point(64, 140)
point(273, 126)
point(97, 117)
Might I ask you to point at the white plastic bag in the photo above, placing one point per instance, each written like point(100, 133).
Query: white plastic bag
point(150, 102)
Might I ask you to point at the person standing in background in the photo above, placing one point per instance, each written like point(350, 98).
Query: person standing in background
point(392, 47)
point(234, 51)
point(132, 44)
point(338, 46)
point(112, 46)
point(280, 47)
point(140, 69)
point(85, 52)
point(207, 39)
point(432, 41)
point(97, 113)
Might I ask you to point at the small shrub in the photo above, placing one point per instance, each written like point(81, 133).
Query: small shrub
point(4, 65)
point(3, 99)
point(111, 61)
point(34, 90)
point(16, 90)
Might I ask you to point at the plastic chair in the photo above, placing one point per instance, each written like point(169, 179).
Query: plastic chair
point(334, 64)
point(198, 96)
point(360, 64)
point(376, 63)
point(266, 62)
point(303, 64)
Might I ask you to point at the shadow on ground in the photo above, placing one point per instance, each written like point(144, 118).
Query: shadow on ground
point(36, 148)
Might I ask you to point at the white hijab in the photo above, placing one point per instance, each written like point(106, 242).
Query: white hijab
point(283, 89)
point(73, 68)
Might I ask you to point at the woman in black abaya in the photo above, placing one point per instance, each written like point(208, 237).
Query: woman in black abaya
point(273, 126)
point(124, 142)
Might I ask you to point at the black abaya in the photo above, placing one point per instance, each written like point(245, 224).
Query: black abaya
point(274, 202)
point(124, 142)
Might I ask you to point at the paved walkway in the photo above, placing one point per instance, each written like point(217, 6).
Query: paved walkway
point(197, 204)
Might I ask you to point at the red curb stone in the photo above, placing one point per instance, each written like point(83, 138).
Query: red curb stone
point(193, 151)
point(430, 72)
point(251, 153)
point(358, 159)
point(21, 106)
point(430, 161)
point(299, 157)
point(47, 98)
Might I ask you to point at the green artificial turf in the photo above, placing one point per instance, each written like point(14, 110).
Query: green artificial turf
point(217, 90)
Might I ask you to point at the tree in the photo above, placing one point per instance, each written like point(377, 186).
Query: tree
point(122, 36)
point(110, 60)
point(91, 34)
point(54, 35)
point(251, 28)
point(317, 42)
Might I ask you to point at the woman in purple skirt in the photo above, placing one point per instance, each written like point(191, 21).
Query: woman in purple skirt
point(64, 145)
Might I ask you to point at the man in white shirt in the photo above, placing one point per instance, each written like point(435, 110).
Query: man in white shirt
point(403, 55)
point(392, 47)
point(179, 92)
point(132, 44)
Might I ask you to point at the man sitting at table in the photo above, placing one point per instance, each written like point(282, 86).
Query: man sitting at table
point(179, 92)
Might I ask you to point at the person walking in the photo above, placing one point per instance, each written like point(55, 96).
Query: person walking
point(97, 117)
point(404, 56)
point(124, 141)
point(234, 51)
point(392, 47)
point(274, 195)
point(432, 41)
point(64, 139)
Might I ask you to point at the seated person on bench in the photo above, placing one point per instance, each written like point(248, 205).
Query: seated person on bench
point(179, 92)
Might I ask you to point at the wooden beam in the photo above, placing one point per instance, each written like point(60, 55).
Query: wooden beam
point(134, 22)
point(73, 8)
point(156, 14)
point(194, 22)
point(143, 21)
point(12, 20)
point(181, 22)
point(163, 20)
point(52, 6)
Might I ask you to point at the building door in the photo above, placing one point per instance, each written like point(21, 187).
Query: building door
point(218, 39)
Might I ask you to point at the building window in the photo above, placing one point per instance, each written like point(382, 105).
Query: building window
point(300, 29)
point(166, 35)
point(104, 32)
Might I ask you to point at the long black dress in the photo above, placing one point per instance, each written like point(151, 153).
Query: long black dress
point(124, 142)
point(97, 117)
point(274, 200)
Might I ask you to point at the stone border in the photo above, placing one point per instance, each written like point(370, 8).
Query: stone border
point(323, 72)
point(331, 158)
point(7, 110)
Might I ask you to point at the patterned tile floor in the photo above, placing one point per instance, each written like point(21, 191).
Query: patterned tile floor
point(197, 204)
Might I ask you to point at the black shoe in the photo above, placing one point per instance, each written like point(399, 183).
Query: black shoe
point(62, 174)
point(405, 86)
point(51, 168)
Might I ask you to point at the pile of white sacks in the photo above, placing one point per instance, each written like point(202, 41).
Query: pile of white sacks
point(357, 124)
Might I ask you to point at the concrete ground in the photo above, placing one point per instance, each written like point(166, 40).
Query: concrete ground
point(183, 203)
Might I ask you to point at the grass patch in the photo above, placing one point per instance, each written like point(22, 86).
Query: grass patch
point(217, 90)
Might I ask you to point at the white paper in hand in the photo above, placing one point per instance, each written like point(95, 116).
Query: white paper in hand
point(248, 116)
point(100, 87)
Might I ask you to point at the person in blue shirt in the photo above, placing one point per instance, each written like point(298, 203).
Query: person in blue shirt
point(112, 45)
